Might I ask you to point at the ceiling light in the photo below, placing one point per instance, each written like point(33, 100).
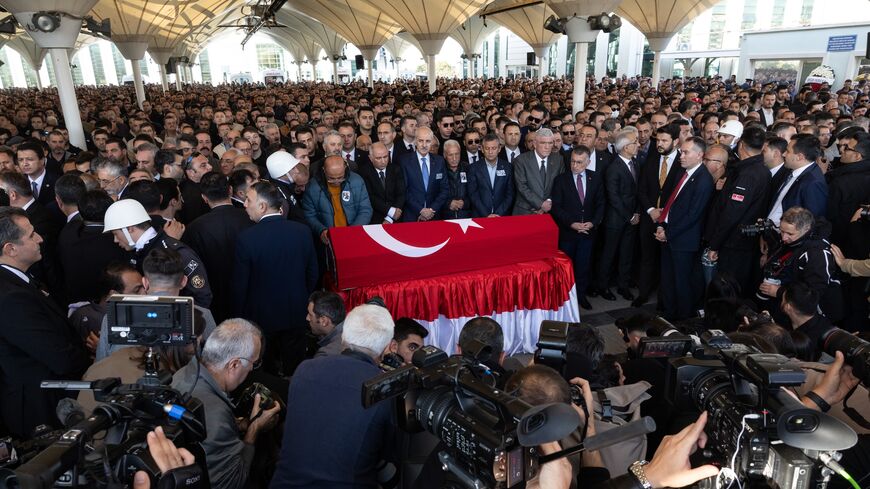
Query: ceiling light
point(45, 21)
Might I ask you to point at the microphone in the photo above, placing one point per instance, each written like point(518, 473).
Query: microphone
point(69, 412)
point(639, 427)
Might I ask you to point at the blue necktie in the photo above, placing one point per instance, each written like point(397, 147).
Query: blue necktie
point(425, 174)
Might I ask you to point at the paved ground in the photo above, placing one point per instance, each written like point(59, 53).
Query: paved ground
point(604, 313)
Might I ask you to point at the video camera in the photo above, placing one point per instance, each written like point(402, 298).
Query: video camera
point(70, 457)
point(491, 436)
point(759, 228)
point(756, 430)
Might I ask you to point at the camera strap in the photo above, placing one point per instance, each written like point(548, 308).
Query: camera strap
point(853, 413)
point(606, 406)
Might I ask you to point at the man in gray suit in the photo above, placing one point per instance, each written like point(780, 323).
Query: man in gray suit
point(534, 173)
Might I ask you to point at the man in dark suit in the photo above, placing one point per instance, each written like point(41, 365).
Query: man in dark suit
point(621, 217)
point(354, 157)
point(767, 112)
point(658, 176)
point(213, 237)
point(36, 342)
point(385, 183)
point(741, 201)
point(31, 161)
point(534, 173)
point(275, 272)
point(195, 166)
point(805, 185)
point(679, 228)
point(425, 180)
point(512, 148)
point(491, 183)
point(578, 208)
point(773, 152)
point(471, 152)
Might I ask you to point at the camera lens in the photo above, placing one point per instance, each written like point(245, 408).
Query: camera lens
point(434, 406)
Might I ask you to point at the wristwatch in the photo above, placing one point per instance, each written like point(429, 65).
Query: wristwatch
point(637, 470)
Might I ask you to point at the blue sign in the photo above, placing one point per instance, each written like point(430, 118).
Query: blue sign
point(842, 43)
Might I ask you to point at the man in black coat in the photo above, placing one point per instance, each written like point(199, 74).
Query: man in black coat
point(36, 342)
point(742, 201)
point(31, 161)
point(385, 183)
point(658, 176)
point(195, 166)
point(275, 272)
point(578, 209)
point(213, 237)
point(620, 217)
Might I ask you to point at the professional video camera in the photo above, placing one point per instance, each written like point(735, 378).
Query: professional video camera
point(865, 213)
point(761, 227)
point(70, 458)
point(756, 430)
point(491, 436)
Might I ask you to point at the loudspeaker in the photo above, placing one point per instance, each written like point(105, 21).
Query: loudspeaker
point(530, 58)
point(360, 62)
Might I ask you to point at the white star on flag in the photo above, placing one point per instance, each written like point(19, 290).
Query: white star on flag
point(465, 224)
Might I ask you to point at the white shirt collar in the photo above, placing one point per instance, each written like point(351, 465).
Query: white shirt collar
point(269, 215)
point(796, 173)
point(28, 204)
point(143, 240)
point(21, 275)
point(38, 179)
point(776, 168)
point(72, 216)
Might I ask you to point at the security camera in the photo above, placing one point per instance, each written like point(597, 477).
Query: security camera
point(554, 24)
point(44, 21)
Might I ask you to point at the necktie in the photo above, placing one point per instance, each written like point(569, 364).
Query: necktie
point(347, 156)
point(631, 168)
point(663, 171)
point(673, 197)
point(383, 178)
point(580, 192)
point(513, 155)
point(425, 173)
point(474, 159)
point(543, 170)
point(781, 187)
point(35, 187)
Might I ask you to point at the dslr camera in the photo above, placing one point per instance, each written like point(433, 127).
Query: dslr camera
point(490, 436)
point(760, 228)
point(71, 457)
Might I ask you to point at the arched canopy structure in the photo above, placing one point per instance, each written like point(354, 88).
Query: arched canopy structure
point(527, 23)
point(470, 36)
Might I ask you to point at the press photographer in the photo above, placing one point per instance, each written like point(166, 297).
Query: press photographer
point(803, 254)
point(229, 355)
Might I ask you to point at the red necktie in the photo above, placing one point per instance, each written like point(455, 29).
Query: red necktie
point(673, 197)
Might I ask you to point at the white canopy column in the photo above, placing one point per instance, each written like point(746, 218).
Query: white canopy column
point(369, 53)
point(657, 45)
point(134, 50)
point(57, 42)
point(161, 57)
point(431, 45)
point(541, 53)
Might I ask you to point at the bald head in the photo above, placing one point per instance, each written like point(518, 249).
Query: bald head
point(380, 155)
point(334, 169)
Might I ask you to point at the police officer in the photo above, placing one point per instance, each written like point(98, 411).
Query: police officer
point(131, 226)
point(290, 177)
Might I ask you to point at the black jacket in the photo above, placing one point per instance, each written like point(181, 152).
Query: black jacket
point(390, 194)
point(193, 206)
point(83, 252)
point(36, 343)
point(741, 201)
point(649, 194)
point(848, 188)
point(213, 237)
point(457, 184)
point(621, 189)
point(567, 208)
point(197, 279)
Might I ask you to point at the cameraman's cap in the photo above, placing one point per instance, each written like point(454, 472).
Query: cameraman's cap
point(279, 163)
point(124, 213)
point(732, 128)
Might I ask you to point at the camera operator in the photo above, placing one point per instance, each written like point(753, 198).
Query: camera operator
point(165, 454)
point(407, 338)
point(325, 316)
point(231, 352)
point(800, 304)
point(804, 254)
point(330, 439)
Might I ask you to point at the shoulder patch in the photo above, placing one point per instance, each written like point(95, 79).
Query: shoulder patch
point(197, 281)
point(191, 267)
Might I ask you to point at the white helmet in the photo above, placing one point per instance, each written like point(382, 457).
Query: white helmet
point(279, 163)
point(732, 128)
point(123, 214)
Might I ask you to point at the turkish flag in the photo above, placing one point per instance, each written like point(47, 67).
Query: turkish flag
point(375, 254)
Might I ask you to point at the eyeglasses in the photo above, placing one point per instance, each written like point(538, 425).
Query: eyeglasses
point(255, 364)
point(534, 119)
point(187, 161)
point(569, 133)
point(473, 141)
point(448, 124)
point(106, 183)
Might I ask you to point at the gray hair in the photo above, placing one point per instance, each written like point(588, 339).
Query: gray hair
point(799, 217)
point(270, 125)
point(116, 169)
point(451, 143)
point(544, 133)
point(623, 138)
point(369, 329)
point(332, 133)
point(148, 147)
point(233, 338)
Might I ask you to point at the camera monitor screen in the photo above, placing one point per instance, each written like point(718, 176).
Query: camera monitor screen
point(141, 320)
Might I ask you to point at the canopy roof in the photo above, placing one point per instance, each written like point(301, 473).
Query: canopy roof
point(662, 18)
point(527, 22)
point(358, 21)
point(471, 33)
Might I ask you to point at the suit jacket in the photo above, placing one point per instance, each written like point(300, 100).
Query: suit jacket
point(275, 271)
point(48, 226)
point(741, 201)
point(194, 206)
point(399, 149)
point(686, 216)
point(502, 155)
point(621, 189)
point(487, 199)
point(83, 252)
point(767, 123)
point(649, 194)
point(382, 197)
point(809, 191)
point(532, 191)
point(848, 187)
point(602, 161)
point(46, 192)
point(213, 237)
point(361, 158)
point(776, 181)
point(567, 208)
point(417, 197)
point(36, 344)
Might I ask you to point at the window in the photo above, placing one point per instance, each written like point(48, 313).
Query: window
point(269, 57)
point(78, 78)
point(486, 59)
point(205, 67)
point(5, 72)
point(29, 74)
point(49, 66)
point(717, 27)
point(551, 60)
point(97, 63)
point(750, 9)
point(569, 63)
point(648, 59)
point(807, 12)
point(612, 53)
point(778, 15)
point(495, 51)
point(120, 64)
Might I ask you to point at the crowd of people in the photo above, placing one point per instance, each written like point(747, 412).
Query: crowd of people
point(704, 199)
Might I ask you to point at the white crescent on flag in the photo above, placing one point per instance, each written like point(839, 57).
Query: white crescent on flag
point(383, 238)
